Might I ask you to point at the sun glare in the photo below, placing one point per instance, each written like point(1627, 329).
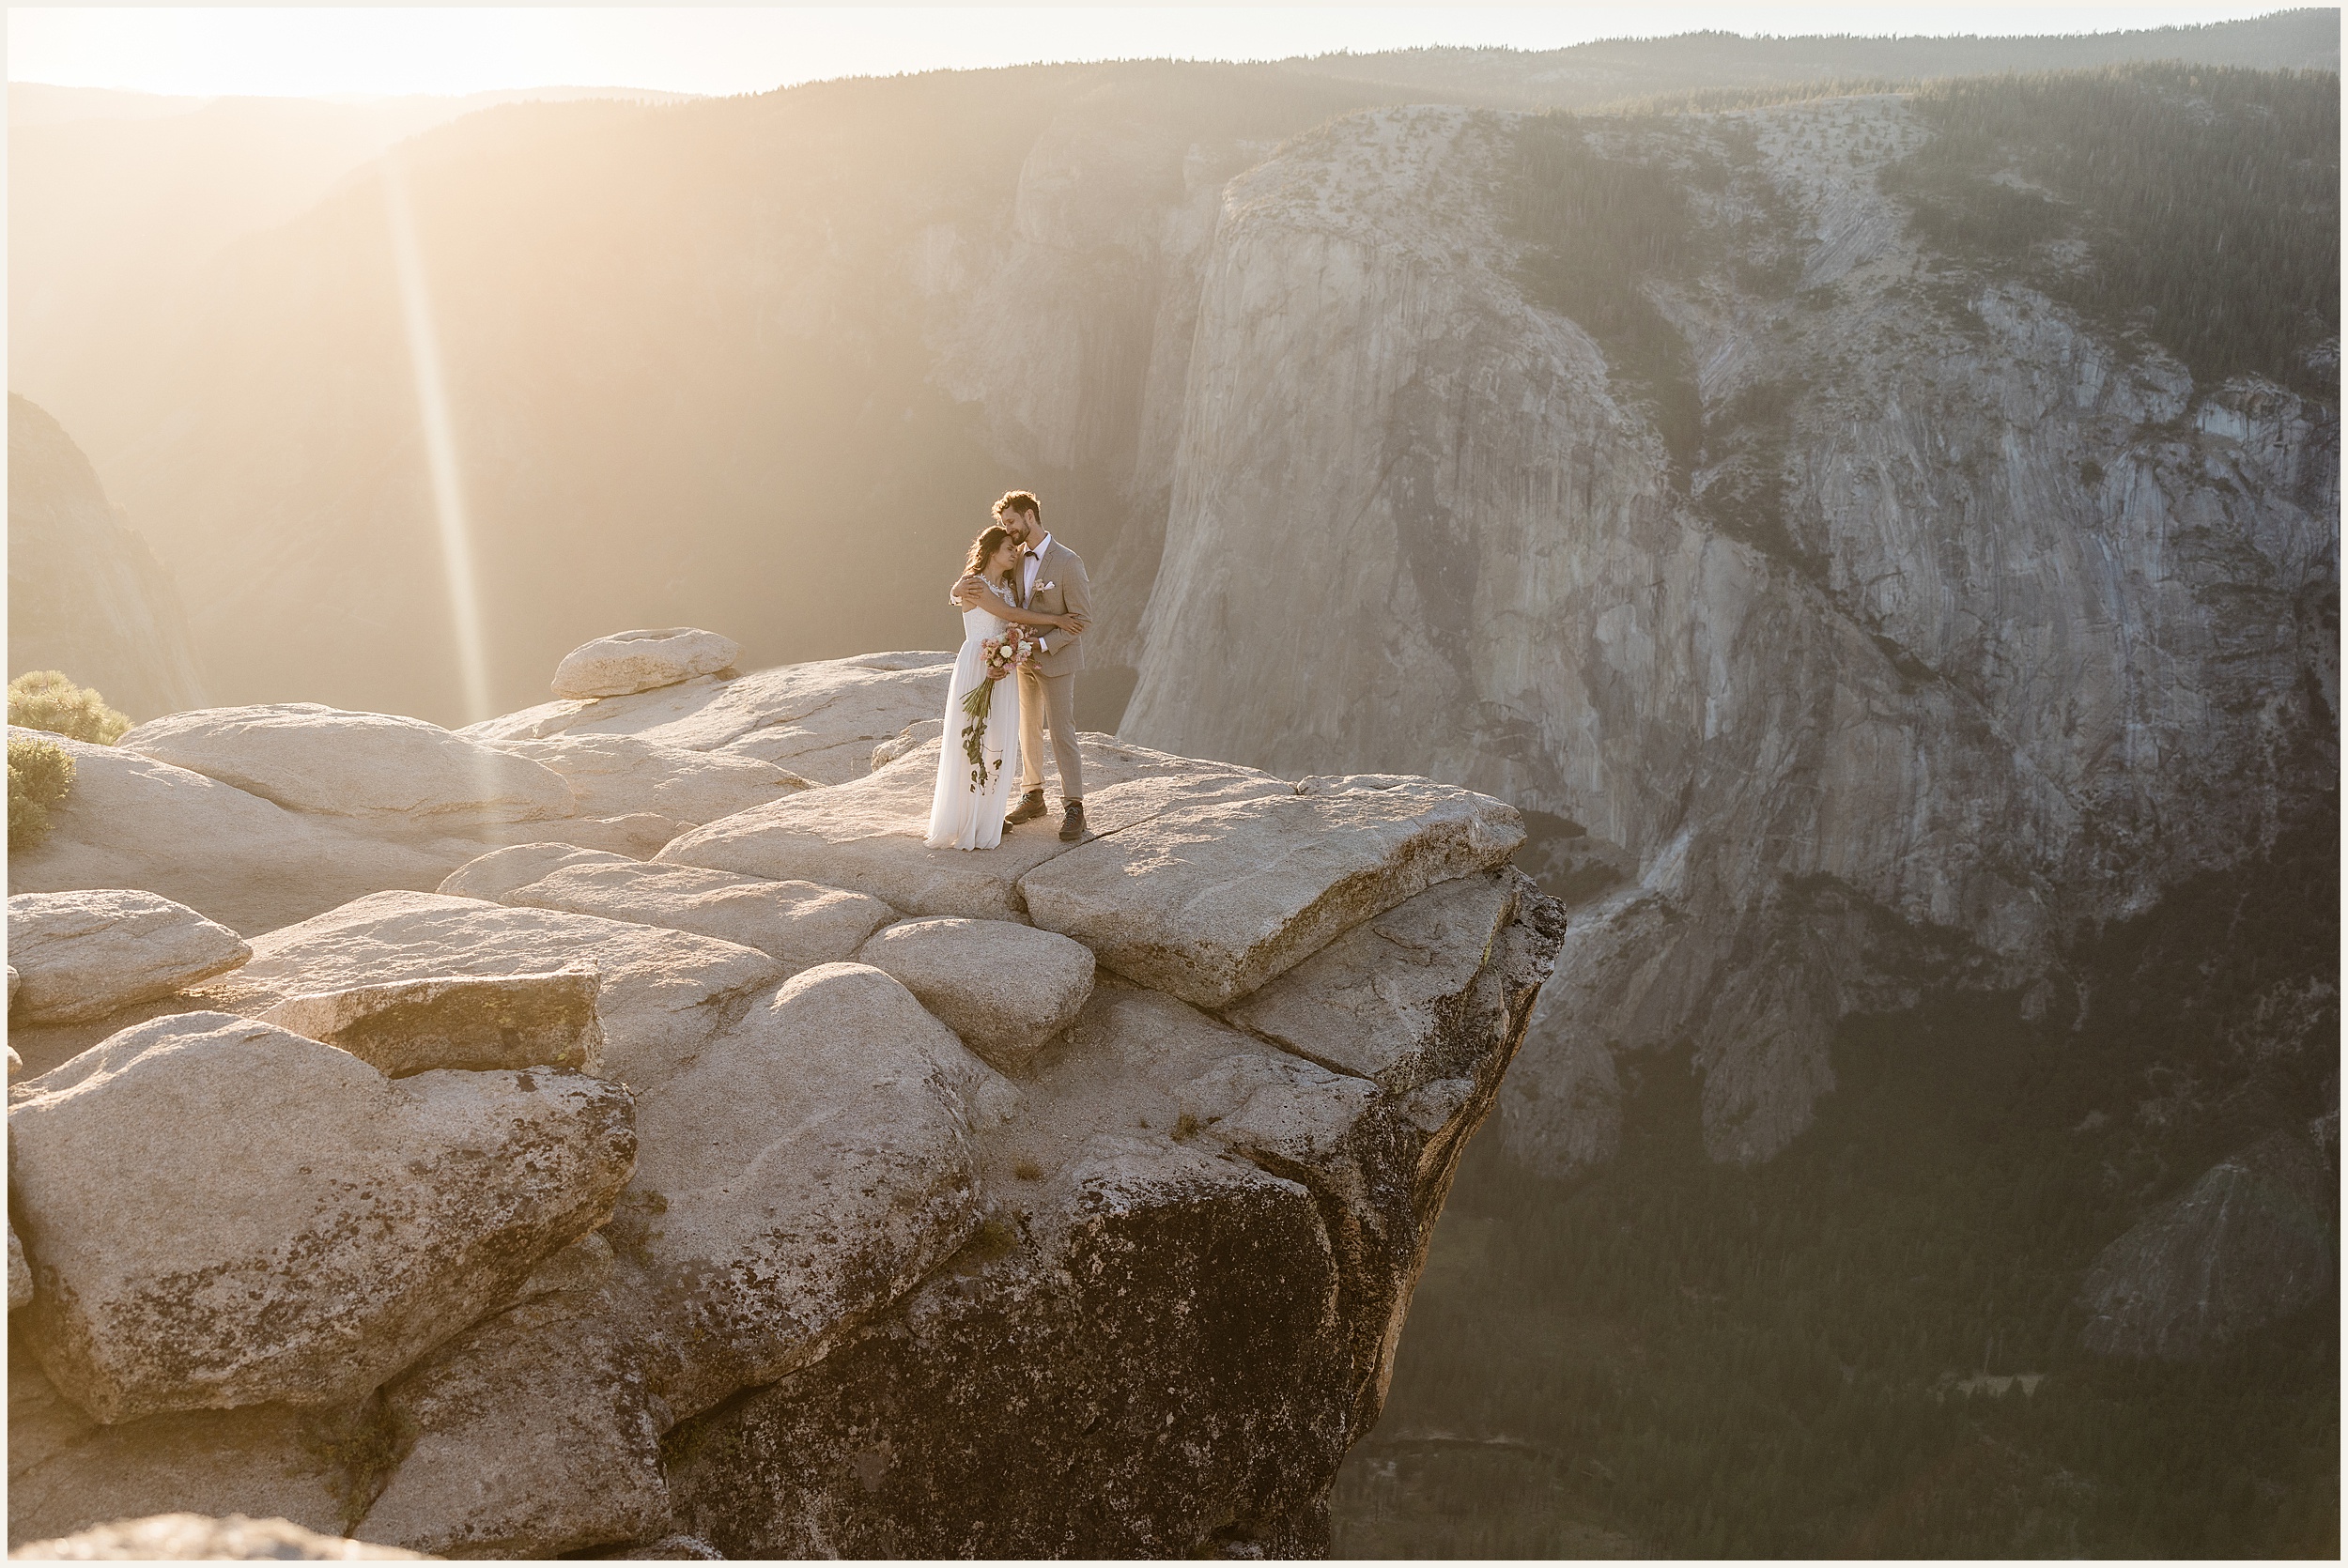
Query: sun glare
point(440, 443)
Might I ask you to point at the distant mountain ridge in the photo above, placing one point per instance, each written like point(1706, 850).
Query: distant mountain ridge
point(1591, 75)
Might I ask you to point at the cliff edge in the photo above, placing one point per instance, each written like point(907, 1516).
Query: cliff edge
point(797, 1190)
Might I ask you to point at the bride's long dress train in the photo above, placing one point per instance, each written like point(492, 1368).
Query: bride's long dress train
point(961, 815)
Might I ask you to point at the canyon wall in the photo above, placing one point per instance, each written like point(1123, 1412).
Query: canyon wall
point(2018, 625)
point(85, 595)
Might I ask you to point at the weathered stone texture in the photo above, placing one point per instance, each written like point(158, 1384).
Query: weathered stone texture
point(220, 1213)
point(476, 1022)
point(1004, 988)
point(2253, 1240)
point(83, 955)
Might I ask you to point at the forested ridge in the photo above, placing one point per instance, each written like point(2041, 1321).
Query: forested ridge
point(2197, 205)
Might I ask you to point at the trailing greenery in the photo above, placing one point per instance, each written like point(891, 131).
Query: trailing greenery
point(40, 775)
point(1677, 1358)
point(46, 700)
point(2200, 204)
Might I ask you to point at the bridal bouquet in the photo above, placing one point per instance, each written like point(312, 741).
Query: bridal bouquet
point(1003, 655)
point(1007, 653)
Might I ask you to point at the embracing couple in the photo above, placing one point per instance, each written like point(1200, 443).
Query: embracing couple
point(1025, 604)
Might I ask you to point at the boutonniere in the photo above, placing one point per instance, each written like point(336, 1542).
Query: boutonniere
point(1042, 586)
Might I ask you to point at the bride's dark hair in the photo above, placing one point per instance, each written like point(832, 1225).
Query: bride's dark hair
point(985, 547)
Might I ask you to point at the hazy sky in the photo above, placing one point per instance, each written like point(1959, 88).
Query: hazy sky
point(291, 50)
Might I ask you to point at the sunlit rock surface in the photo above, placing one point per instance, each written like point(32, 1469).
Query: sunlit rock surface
point(819, 721)
point(190, 1251)
point(83, 955)
point(133, 822)
point(670, 1232)
point(626, 663)
point(307, 757)
point(193, 1537)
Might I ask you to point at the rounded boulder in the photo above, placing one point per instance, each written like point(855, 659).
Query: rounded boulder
point(1005, 988)
point(629, 662)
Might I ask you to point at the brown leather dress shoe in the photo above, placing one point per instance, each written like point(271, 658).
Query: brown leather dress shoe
point(1031, 807)
point(1071, 826)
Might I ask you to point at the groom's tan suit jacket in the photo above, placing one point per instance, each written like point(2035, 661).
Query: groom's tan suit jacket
point(1061, 588)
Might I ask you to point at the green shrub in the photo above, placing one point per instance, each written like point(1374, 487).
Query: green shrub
point(39, 774)
point(45, 699)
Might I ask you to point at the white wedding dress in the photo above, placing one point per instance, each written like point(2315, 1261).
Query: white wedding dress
point(963, 816)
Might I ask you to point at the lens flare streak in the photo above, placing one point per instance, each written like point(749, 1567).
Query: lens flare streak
point(440, 443)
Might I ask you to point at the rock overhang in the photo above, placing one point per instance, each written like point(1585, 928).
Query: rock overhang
point(817, 1157)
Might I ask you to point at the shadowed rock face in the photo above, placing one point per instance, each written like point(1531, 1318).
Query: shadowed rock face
point(1171, 1330)
point(85, 595)
point(569, 1223)
point(2251, 1242)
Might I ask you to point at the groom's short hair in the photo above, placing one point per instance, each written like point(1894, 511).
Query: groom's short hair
point(1019, 501)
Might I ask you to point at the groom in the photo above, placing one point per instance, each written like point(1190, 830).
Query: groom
point(1051, 581)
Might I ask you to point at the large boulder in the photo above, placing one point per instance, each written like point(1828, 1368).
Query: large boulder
point(68, 1472)
point(1210, 901)
point(478, 1023)
point(614, 776)
point(801, 1173)
point(797, 923)
point(133, 822)
point(628, 662)
point(2250, 1243)
point(1185, 1307)
point(819, 720)
point(867, 835)
point(1004, 988)
point(1154, 1374)
point(665, 993)
point(221, 1213)
point(551, 1392)
point(86, 954)
point(307, 757)
point(1387, 999)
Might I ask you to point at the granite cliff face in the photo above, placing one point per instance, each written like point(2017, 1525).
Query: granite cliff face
point(1964, 625)
point(799, 1190)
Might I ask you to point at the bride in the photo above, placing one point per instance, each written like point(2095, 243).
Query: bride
point(963, 816)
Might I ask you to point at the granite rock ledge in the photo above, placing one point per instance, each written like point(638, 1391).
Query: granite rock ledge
point(859, 1198)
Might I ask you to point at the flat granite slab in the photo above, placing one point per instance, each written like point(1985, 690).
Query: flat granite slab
point(866, 835)
point(1209, 902)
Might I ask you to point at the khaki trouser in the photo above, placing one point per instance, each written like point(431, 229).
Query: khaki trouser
point(1052, 697)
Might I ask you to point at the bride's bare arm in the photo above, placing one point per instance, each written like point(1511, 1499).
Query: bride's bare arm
point(997, 605)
